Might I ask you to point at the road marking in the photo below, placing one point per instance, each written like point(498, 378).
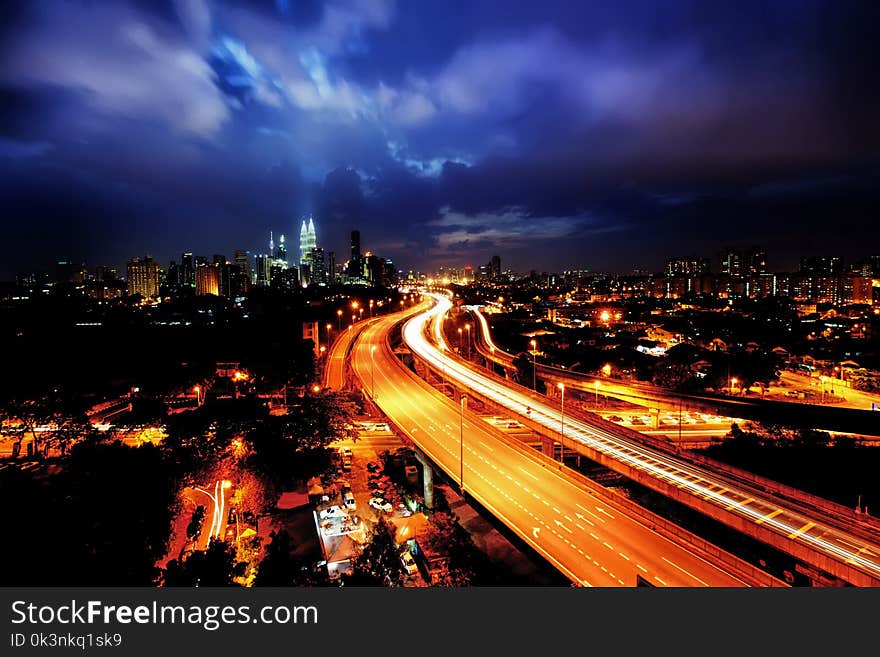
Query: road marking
point(582, 517)
point(661, 581)
point(556, 510)
point(560, 524)
point(684, 571)
point(735, 504)
point(590, 512)
point(485, 445)
point(763, 519)
point(610, 547)
point(567, 518)
point(579, 526)
point(529, 473)
point(603, 511)
point(594, 536)
point(803, 529)
point(535, 531)
point(641, 567)
point(623, 555)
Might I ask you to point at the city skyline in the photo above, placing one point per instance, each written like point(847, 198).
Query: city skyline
point(565, 135)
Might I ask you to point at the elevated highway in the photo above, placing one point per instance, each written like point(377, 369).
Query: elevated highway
point(829, 418)
point(591, 538)
point(814, 537)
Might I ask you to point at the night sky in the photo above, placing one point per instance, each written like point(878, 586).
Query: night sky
point(607, 135)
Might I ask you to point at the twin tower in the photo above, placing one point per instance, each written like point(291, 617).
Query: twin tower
point(307, 240)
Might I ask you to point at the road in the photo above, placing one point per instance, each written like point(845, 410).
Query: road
point(853, 418)
point(725, 494)
point(585, 536)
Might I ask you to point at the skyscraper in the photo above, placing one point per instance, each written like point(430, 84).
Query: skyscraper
point(143, 277)
point(188, 269)
point(730, 262)
point(307, 240)
point(355, 268)
point(262, 266)
point(331, 267)
point(317, 266)
point(827, 265)
point(243, 260)
point(208, 279)
point(495, 267)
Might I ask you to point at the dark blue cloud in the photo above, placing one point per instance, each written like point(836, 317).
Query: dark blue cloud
point(563, 134)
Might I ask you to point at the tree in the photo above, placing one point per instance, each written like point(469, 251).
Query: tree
point(378, 563)
point(215, 566)
point(523, 365)
point(280, 568)
point(444, 534)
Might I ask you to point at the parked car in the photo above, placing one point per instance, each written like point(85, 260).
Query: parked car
point(335, 511)
point(348, 499)
point(373, 467)
point(409, 564)
point(381, 504)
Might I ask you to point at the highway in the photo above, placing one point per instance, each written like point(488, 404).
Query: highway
point(577, 529)
point(854, 418)
point(337, 356)
point(727, 495)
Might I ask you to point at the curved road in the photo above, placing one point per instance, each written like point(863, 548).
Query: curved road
point(593, 542)
point(834, 544)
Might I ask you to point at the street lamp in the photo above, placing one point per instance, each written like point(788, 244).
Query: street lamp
point(461, 444)
point(561, 387)
point(339, 319)
point(328, 333)
point(733, 382)
point(198, 390)
point(468, 329)
point(371, 308)
point(534, 344)
point(459, 341)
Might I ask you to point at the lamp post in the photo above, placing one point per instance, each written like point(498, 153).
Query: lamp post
point(461, 444)
point(459, 341)
point(339, 318)
point(534, 345)
point(198, 390)
point(561, 387)
point(371, 308)
point(328, 333)
point(468, 329)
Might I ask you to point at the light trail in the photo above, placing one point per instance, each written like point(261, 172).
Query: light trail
point(654, 463)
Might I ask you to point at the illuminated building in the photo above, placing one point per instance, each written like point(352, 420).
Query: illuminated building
point(142, 277)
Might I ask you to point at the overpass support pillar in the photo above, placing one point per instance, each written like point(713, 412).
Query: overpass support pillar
point(548, 447)
point(427, 478)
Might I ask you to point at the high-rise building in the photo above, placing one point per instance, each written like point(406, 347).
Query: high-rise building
point(188, 269)
point(208, 279)
point(688, 266)
point(317, 266)
point(495, 267)
point(261, 275)
point(243, 262)
point(756, 261)
point(308, 239)
point(331, 267)
point(142, 277)
point(824, 265)
point(355, 266)
point(69, 272)
point(730, 262)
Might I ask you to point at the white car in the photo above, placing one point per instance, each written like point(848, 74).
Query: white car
point(409, 564)
point(335, 511)
point(381, 505)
